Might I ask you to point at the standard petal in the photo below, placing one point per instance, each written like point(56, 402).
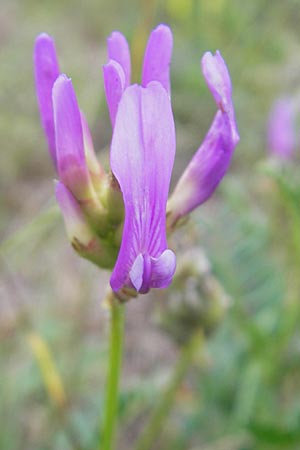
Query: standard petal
point(114, 85)
point(46, 70)
point(142, 156)
point(157, 59)
point(118, 50)
point(71, 163)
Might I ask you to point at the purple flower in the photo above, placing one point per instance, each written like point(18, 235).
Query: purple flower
point(68, 135)
point(212, 159)
point(281, 132)
point(132, 198)
point(156, 66)
point(142, 156)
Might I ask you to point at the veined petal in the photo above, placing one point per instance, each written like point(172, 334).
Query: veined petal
point(118, 50)
point(157, 59)
point(212, 159)
point(71, 163)
point(142, 157)
point(114, 85)
point(46, 70)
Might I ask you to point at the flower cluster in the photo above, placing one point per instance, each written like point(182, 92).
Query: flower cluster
point(119, 220)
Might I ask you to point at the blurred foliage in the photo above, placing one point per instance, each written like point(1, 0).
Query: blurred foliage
point(244, 394)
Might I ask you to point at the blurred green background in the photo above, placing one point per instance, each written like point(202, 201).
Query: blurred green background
point(243, 392)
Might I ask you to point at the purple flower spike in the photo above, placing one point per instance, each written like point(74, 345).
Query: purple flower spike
point(281, 131)
point(114, 85)
point(157, 57)
point(142, 156)
point(71, 163)
point(118, 50)
point(46, 70)
point(212, 159)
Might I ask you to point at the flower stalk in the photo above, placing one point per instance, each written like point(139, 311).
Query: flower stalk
point(108, 430)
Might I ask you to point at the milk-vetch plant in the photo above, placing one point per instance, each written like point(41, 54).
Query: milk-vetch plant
point(119, 220)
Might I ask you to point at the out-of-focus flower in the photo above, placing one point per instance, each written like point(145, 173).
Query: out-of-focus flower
point(132, 198)
point(281, 129)
point(211, 161)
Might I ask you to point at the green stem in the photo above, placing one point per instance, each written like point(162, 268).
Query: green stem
point(113, 376)
point(166, 400)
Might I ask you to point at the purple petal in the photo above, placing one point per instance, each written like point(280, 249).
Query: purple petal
point(157, 57)
point(142, 156)
point(205, 170)
point(114, 85)
point(217, 78)
point(281, 129)
point(71, 163)
point(118, 50)
point(212, 159)
point(163, 269)
point(46, 70)
point(152, 272)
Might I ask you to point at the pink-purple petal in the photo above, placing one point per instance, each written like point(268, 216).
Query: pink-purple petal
point(142, 156)
point(137, 272)
point(205, 170)
point(211, 161)
point(217, 78)
point(114, 85)
point(71, 163)
point(163, 269)
point(46, 70)
point(157, 59)
point(118, 50)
